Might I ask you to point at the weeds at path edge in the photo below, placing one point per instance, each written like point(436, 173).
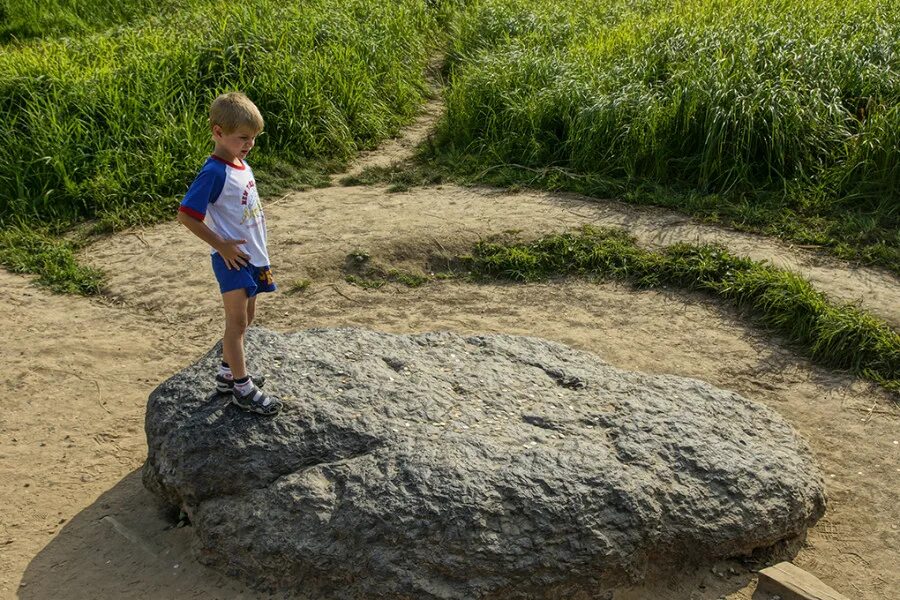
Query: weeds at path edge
point(843, 337)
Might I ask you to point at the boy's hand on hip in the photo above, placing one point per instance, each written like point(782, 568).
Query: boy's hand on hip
point(234, 257)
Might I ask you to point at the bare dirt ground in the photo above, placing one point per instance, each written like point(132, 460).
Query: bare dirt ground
point(76, 522)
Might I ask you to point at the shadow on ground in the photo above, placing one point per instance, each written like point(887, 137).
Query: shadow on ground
point(125, 545)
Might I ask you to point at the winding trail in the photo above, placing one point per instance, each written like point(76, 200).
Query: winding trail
point(77, 522)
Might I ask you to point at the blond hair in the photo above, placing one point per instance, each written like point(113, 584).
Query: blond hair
point(234, 110)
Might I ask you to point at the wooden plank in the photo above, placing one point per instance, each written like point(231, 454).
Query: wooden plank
point(793, 583)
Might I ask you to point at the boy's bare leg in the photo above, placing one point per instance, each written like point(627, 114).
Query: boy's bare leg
point(237, 309)
point(239, 312)
point(251, 310)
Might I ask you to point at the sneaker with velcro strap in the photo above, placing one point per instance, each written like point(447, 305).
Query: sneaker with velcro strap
point(257, 401)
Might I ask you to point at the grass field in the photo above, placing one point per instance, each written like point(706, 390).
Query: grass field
point(775, 116)
point(96, 125)
point(778, 117)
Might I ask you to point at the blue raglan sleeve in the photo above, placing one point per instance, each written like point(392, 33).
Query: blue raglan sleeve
point(205, 189)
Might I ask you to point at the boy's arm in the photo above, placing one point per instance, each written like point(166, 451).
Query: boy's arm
point(234, 257)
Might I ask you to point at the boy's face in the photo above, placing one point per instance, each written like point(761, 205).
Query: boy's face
point(236, 144)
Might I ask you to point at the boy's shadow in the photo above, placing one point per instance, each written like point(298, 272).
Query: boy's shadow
point(125, 545)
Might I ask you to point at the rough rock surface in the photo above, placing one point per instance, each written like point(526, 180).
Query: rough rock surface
point(441, 466)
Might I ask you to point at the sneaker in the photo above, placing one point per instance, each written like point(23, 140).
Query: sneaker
point(256, 401)
point(226, 386)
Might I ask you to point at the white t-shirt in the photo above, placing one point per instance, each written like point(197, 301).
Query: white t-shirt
point(225, 196)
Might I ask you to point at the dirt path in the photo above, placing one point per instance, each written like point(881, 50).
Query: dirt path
point(78, 524)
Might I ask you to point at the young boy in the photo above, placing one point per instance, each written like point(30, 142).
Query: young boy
point(222, 208)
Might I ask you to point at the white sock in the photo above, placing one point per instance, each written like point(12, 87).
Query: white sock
point(225, 371)
point(244, 388)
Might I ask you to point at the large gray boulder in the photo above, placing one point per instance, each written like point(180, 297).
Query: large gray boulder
point(442, 466)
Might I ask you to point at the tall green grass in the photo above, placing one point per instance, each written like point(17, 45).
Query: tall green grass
point(837, 336)
point(102, 123)
point(24, 20)
point(783, 112)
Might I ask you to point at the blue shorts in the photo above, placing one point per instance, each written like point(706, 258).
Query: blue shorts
point(251, 278)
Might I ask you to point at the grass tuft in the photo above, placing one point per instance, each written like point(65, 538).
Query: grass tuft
point(362, 272)
point(298, 287)
point(32, 250)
